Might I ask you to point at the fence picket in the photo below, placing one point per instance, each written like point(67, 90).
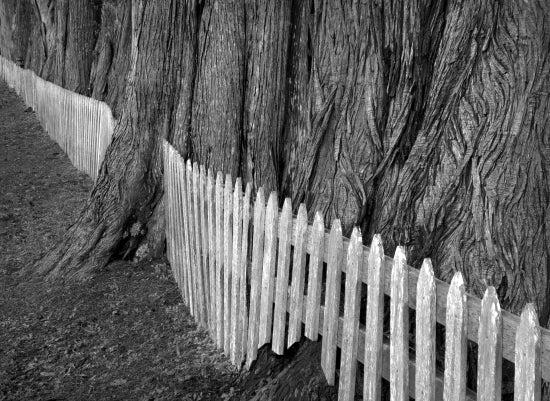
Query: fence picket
point(227, 265)
point(185, 231)
point(268, 270)
point(219, 260)
point(456, 340)
point(204, 238)
point(192, 239)
point(490, 348)
point(169, 195)
point(201, 310)
point(298, 277)
point(256, 278)
point(281, 290)
point(399, 328)
point(527, 370)
point(235, 271)
point(178, 223)
point(350, 335)
point(372, 375)
point(243, 318)
point(211, 253)
point(425, 334)
point(315, 278)
point(332, 302)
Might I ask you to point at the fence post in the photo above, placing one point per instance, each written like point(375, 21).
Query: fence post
point(332, 302)
point(375, 318)
point(456, 339)
point(243, 318)
point(281, 291)
point(298, 278)
point(527, 369)
point(227, 265)
point(211, 253)
point(489, 348)
point(399, 328)
point(235, 270)
point(219, 260)
point(315, 278)
point(425, 334)
point(350, 336)
point(268, 271)
point(204, 237)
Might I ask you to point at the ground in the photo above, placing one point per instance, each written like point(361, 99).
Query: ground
point(123, 335)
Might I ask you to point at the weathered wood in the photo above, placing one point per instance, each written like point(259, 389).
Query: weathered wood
point(281, 290)
point(189, 234)
point(425, 334)
point(332, 302)
point(527, 380)
point(204, 245)
point(350, 335)
point(169, 227)
point(256, 277)
point(298, 277)
point(456, 340)
point(219, 260)
point(192, 239)
point(227, 264)
point(510, 322)
point(185, 229)
point(235, 271)
point(372, 375)
point(178, 204)
point(210, 205)
point(489, 361)
point(243, 324)
point(399, 329)
point(268, 270)
point(315, 278)
point(201, 305)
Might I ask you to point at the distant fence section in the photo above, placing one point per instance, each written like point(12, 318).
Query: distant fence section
point(253, 274)
point(82, 126)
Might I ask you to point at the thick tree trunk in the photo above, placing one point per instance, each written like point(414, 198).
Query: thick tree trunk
point(129, 184)
point(425, 121)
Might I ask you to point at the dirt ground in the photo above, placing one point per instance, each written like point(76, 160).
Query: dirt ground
point(124, 335)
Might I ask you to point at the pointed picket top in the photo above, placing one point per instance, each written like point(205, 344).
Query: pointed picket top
point(256, 277)
point(375, 317)
point(350, 335)
point(218, 222)
point(425, 333)
point(315, 277)
point(489, 378)
point(268, 273)
point(243, 324)
point(281, 289)
point(456, 340)
point(527, 380)
point(332, 301)
point(298, 277)
point(399, 328)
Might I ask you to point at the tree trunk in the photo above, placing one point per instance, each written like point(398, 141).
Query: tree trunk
point(425, 121)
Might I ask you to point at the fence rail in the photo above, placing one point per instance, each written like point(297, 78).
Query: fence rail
point(82, 126)
point(254, 274)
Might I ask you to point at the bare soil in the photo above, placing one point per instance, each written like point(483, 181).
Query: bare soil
point(123, 335)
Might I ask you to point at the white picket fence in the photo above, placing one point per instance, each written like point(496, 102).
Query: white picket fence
point(243, 272)
point(82, 126)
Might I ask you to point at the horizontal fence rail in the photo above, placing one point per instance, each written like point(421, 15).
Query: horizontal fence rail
point(253, 274)
point(82, 126)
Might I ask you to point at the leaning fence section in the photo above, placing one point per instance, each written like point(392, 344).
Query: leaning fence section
point(82, 126)
point(253, 274)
